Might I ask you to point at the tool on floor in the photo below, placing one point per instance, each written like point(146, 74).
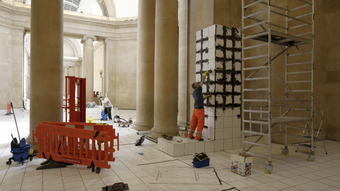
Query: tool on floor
point(201, 160)
point(21, 151)
point(140, 141)
point(119, 186)
point(122, 122)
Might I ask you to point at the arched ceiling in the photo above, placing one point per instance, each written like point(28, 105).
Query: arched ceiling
point(125, 8)
point(107, 7)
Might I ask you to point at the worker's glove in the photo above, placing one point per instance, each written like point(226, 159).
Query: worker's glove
point(206, 73)
point(207, 96)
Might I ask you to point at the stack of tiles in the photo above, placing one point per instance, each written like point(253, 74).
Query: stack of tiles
point(218, 48)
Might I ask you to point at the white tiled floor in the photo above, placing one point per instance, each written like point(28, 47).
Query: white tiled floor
point(292, 172)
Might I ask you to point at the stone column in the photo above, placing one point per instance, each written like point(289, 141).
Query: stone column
point(110, 70)
point(145, 65)
point(166, 68)
point(46, 62)
point(184, 85)
point(65, 73)
point(87, 66)
point(76, 71)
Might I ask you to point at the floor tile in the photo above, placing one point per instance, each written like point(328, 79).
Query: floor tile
point(110, 180)
point(127, 176)
point(73, 178)
point(75, 184)
point(93, 181)
point(52, 181)
point(290, 181)
point(306, 187)
point(32, 189)
point(331, 189)
point(76, 189)
point(291, 189)
point(265, 187)
point(32, 184)
point(11, 180)
point(10, 187)
point(318, 184)
point(95, 187)
point(53, 187)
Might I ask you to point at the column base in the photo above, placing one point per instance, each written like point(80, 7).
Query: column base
point(159, 134)
point(183, 124)
point(29, 140)
point(140, 127)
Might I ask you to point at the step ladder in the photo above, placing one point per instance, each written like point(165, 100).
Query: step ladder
point(316, 138)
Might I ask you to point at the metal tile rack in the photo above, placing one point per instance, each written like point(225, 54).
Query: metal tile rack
point(262, 33)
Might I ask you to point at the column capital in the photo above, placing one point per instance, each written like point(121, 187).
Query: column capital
point(94, 38)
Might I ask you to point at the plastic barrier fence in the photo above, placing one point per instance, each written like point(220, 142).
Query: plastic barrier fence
point(78, 143)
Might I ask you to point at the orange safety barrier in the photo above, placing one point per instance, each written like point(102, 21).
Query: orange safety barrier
point(9, 108)
point(78, 143)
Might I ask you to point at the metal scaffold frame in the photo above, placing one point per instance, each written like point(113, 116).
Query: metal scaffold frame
point(258, 115)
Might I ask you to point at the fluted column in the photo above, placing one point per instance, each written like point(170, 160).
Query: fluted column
point(87, 66)
point(184, 89)
point(110, 70)
point(145, 65)
point(46, 62)
point(166, 68)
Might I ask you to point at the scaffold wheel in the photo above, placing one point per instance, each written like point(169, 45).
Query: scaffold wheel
point(285, 152)
point(311, 158)
point(268, 169)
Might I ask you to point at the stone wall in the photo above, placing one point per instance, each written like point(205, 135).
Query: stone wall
point(6, 65)
point(126, 73)
point(331, 67)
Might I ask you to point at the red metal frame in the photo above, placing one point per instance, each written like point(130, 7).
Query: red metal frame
point(77, 111)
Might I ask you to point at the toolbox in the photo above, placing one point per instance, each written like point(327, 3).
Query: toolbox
point(201, 160)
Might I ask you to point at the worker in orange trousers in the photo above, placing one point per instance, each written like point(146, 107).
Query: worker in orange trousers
point(197, 119)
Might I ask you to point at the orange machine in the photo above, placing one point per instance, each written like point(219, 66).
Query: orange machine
point(76, 143)
point(75, 102)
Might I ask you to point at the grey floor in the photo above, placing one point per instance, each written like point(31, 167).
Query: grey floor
point(292, 172)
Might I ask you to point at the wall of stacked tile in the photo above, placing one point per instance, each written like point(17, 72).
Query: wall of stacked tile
point(218, 48)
